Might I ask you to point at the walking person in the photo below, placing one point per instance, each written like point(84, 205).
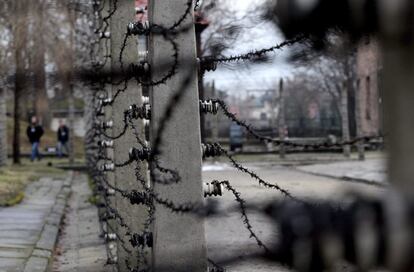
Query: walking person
point(62, 139)
point(34, 133)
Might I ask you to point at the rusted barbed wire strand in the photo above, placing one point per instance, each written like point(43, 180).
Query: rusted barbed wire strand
point(243, 211)
point(251, 130)
point(254, 54)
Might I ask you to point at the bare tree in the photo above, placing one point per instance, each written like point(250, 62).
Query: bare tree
point(5, 57)
point(333, 71)
point(20, 30)
point(225, 25)
point(41, 100)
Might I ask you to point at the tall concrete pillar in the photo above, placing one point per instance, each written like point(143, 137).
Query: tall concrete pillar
point(399, 112)
point(282, 121)
point(125, 178)
point(179, 239)
point(345, 120)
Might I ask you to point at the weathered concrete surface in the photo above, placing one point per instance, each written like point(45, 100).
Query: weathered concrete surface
point(125, 176)
point(26, 236)
point(79, 247)
point(228, 239)
point(179, 242)
point(368, 171)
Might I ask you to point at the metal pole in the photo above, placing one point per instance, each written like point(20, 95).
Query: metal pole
point(125, 178)
point(179, 239)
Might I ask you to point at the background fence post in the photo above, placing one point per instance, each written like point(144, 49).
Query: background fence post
point(345, 120)
point(179, 239)
point(215, 119)
point(110, 224)
point(71, 124)
point(125, 178)
point(282, 121)
point(359, 127)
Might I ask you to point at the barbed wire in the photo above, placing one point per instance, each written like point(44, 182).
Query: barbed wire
point(251, 130)
point(253, 55)
point(243, 211)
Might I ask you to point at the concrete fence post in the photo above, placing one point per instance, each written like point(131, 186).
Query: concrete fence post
point(345, 119)
point(179, 239)
point(359, 116)
point(125, 178)
point(399, 112)
point(110, 224)
point(282, 121)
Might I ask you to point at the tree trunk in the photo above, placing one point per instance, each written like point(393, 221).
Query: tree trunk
point(20, 38)
point(41, 100)
point(3, 128)
point(71, 103)
point(345, 120)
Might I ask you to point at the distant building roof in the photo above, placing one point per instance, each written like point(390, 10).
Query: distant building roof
point(141, 8)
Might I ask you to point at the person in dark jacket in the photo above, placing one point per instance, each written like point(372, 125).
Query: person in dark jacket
point(34, 133)
point(62, 138)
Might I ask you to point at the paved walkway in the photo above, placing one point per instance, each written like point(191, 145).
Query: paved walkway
point(369, 171)
point(80, 249)
point(228, 240)
point(28, 231)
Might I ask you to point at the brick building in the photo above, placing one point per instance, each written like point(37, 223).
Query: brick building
point(369, 98)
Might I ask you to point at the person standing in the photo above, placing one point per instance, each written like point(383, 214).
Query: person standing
point(34, 133)
point(62, 139)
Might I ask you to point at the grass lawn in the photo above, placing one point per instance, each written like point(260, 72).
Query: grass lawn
point(14, 178)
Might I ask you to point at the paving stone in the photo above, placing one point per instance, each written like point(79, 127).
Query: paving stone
point(19, 234)
point(5, 242)
point(23, 225)
point(48, 237)
point(82, 248)
point(59, 208)
point(13, 226)
point(42, 253)
point(8, 252)
point(11, 264)
point(54, 219)
point(36, 264)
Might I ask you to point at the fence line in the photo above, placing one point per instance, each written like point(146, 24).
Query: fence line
point(135, 244)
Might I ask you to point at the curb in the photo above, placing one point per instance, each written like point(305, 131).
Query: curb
point(42, 252)
point(346, 178)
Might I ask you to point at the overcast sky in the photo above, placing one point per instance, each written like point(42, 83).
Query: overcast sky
point(256, 76)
